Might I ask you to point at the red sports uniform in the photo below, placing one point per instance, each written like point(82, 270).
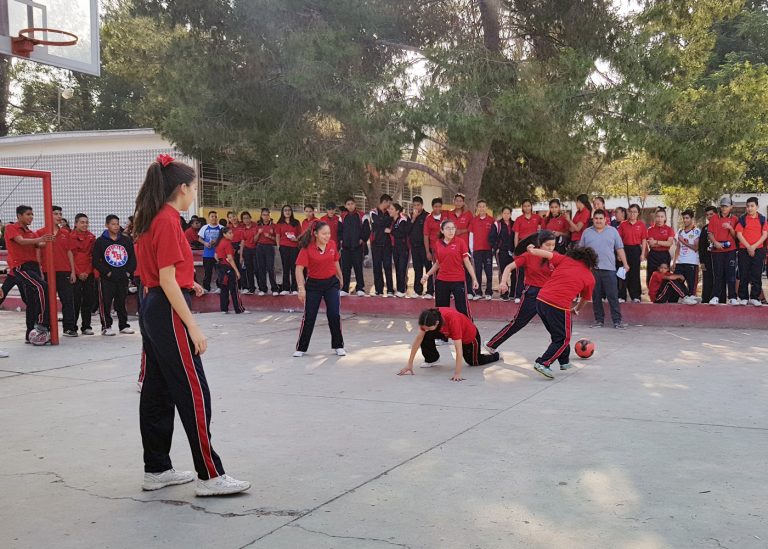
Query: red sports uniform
point(432, 229)
point(457, 326)
point(18, 254)
point(163, 245)
point(537, 270)
point(719, 231)
point(480, 227)
point(581, 216)
point(462, 221)
point(662, 233)
point(569, 279)
point(451, 259)
point(633, 234)
point(283, 231)
point(81, 244)
point(525, 227)
point(267, 231)
point(223, 249)
point(320, 265)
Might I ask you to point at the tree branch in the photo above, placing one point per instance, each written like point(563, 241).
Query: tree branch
point(419, 167)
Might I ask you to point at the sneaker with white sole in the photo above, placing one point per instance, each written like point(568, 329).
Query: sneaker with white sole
point(476, 297)
point(294, 292)
point(566, 366)
point(88, 332)
point(360, 293)
point(622, 300)
point(743, 302)
point(70, 333)
point(429, 364)
point(245, 312)
point(488, 349)
point(127, 331)
point(108, 332)
point(488, 297)
point(427, 296)
point(261, 294)
point(635, 300)
point(517, 300)
point(275, 294)
point(298, 354)
point(341, 352)
point(755, 302)
point(342, 293)
point(216, 291)
point(285, 292)
point(3, 354)
point(544, 370)
point(734, 301)
point(220, 486)
point(155, 481)
point(690, 300)
point(714, 301)
point(399, 294)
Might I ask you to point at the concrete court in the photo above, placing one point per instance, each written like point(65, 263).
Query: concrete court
point(660, 440)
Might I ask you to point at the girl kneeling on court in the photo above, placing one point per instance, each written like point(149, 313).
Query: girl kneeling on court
point(228, 273)
point(318, 253)
point(451, 257)
point(537, 272)
point(447, 322)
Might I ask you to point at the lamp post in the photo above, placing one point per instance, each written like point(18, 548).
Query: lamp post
point(65, 93)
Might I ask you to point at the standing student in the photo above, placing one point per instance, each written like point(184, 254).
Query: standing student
point(249, 232)
point(84, 290)
point(527, 224)
point(462, 218)
point(634, 236)
point(752, 232)
point(419, 249)
point(667, 287)
point(234, 223)
point(23, 265)
point(619, 217)
point(451, 257)
point(207, 236)
point(572, 277)
point(332, 218)
point(265, 253)
point(401, 230)
point(432, 232)
point(480, 231)
point(722, 235)
point(172, 340)
point(321, 259)
point(660, 239)
point(606, 243)
point(354, 232)
point(537, 272)
point(228, 272)
point(287, 231)
point(381, 246)
point(581, 218)
point(115, 260)
point(502, 240)
point(308, 224)
point(557, 223)
point(445, 322)
point(687, 255)
point(64, 266)
point(705, 256)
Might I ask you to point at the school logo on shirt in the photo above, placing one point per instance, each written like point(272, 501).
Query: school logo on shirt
point(116, 255)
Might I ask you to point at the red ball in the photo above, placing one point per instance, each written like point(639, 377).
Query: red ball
point(585, 348)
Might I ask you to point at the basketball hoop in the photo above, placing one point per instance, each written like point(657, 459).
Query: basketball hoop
point(25, 42)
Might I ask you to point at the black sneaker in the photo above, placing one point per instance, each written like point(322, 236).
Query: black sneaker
point(620, 326)
point(70, 333)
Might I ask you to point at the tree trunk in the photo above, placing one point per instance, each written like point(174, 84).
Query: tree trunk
point(473, 175)
point(5, 92)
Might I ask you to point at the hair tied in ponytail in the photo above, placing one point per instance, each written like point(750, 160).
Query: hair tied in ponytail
point(164, 160)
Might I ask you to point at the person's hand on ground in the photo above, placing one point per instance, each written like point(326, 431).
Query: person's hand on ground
point(407, 371)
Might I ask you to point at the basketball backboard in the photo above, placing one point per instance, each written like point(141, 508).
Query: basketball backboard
point(79, 17)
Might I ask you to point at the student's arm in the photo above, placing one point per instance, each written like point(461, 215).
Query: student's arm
point(408, 370)
point(72, 274)
point(643, 249)
point(231, 261)
point(740, 237)
point(459, 361)
point(338, 273)
point(173, 293)
point(18, 239)
point(533, 250)
point(98, 260)
point(517, 239)
point(432, 271)
point(505, 276)
point(666, 243)
point(300, 283)
point(762, 240)
point(715, 243)
point(468, 265)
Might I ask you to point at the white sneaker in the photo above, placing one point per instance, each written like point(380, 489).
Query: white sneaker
point(714, 301)
point(690, 300)
point(440, 342)
point(244, 291)
point(517, 300)
point(342, 293)
point(139, 386)
point(622, 300)
point(3, 354)
point(399, 294)
point(261, 293)
point(294, 293)
point(132, 289)
point(488, 297)
point(245, 312)
point(744, 302)
point(429, 364)
point(275, 294)
point(88, 332)
point(360, 293)
point(220, 486)
point(127, 331)
point(385, 295)
point(216, 291)
point(285, 292)
point(341, 352)
point(155, 481)
point(225, 312)
point(427, 296)
point(298, 354)
point(734, 301)
point(108, 332)
point(635, 300)
point(475, 297)
point(489, 350)
point(755, 302)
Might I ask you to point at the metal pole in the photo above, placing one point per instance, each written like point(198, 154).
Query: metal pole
point(58, 112)
point(53, 309)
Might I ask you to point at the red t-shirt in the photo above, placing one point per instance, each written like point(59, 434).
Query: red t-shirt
point(462, 221)
point(569, 279)
point(451, 258)
point(432, 229)
point(164, 245)
point(537, 270)
point(525, 227)
point(320, 265)
point(61, 245)
point(283, 230)
point(664, 232)
point(480, 227)
point(247, 235)
point(81, 244)
point(237, 235)
point(654, 285)
point(581, 216)
point(721, 233)
point(191, 235)
point(266, 232)
point(18, 254)
point(753, 231)
point(333, 223)
point(559, 224)
point(308, 224)
point(223, 249)
point(457, 326)
point(633, 234)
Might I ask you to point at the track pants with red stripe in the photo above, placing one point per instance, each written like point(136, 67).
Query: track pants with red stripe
point(35, 290)
point(471, 351)
point(523, 316)
point(558, 324)
point(443, 292)
point(173, 379)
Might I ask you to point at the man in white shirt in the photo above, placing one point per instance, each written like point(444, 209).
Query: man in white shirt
point(687, 255)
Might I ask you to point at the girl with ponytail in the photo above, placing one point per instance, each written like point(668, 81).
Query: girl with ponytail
point(228, 271)
point(444, 322)
point(172, 341)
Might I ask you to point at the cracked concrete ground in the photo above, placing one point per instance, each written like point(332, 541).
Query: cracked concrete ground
point(658, 441)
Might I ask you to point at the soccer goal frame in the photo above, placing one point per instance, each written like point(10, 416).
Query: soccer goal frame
point(45, 178)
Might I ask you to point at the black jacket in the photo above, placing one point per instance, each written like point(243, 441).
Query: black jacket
point(379, 222)
point(502, 237)
point(114, 259)
point(401, 230)
point(352, 229)
point(417, 230)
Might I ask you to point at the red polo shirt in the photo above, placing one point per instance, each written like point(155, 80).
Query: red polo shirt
point(18, 254)
point(451, 258)
point(266, 232)
point(559, 224)
point(191, 235)
point(569, 279)
point(581, 216)
point(333, 223)
point(457, 326)
point(432, 229)
point(753, 231)
point(320, 265)
point(81, 244)
point(247, 235)
point(721, 233)
point(308, 224)
point(61, 245)
point(237, 235)
point(462, 221)
point(163, 245)
point(282, 230)
point(537, 270)
point(525, 227)
point(480, 227)
point(223, 249)
point(633, 234)
point(664, 232)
